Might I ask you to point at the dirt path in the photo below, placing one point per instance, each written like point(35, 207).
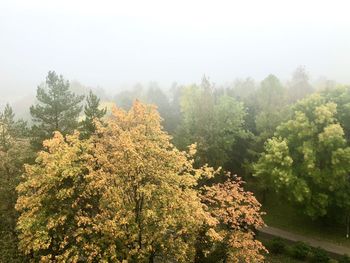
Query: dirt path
point(330, 247)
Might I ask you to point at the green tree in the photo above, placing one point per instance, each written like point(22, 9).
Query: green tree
point(340, 95)
point(299, 86)
point(14, 152)
point(214, 123)
point(57, 109)
point(272, 108)
point(308, 160)
point(10, 128)
point(93, 113)
point(242, 89)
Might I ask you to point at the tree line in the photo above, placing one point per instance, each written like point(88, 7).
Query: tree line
point(148, 184)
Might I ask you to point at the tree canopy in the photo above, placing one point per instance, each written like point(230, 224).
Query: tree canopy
point(93, 113)
point(57, 109)
point(127, 194)
point(307, 161)
point(215, 124)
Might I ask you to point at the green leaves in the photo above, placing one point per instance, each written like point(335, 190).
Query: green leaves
point(214, 123)
point(93, 113)
point(57, 109)
point(307, 160)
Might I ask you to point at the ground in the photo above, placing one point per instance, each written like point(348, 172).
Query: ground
point(281, 215)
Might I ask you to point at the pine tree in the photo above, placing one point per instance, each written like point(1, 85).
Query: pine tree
point(10, 128)
point(57, 109)
point(92, 112)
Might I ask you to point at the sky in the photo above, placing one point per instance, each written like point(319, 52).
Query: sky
point(113, 44)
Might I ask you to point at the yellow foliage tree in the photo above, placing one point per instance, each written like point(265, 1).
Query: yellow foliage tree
point(238, 216)
point(124, 195)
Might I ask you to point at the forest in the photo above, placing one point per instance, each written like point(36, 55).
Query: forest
point(189, 174)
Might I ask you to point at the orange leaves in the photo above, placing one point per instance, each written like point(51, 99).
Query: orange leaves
point(238, 215)
point(126, 195)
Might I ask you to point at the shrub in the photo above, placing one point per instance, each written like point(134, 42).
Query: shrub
point(276, 246)
point(300, 250)
point(319, 255)
point(344, 259)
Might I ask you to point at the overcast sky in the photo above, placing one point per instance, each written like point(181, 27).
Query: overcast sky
point(114, 43)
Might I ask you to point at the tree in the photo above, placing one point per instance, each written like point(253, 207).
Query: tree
point(92, 113)
point(124, 99)
point(238, 216)
point(126, 194)
point(155, 95)
point(271, 109)
point(10, 128)
point(340, 95)
point(213, 123)
point(57, 109)
point(14, 152)
point(299, 86)
point(242, 89)
point(307, 161)
point(111, 194)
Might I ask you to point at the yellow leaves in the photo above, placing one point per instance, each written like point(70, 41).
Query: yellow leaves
point(214, 235)
point(237, 213)
point(126, 192)
point(55, 142)
point(325, 113)
point(332, 136)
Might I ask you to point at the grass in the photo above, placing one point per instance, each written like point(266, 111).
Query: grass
point(283, 216)
point(271, 258)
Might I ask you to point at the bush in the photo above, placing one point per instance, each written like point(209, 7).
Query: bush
point(319, 255)
point(300, 250)
point(344, 259)
point(276, 246)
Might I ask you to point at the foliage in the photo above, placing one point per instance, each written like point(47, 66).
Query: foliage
point(300, 250)
point(344, 259)
point(127, 194)
point(238, 216)
point(340, 96)
point(213, 123)
point(57, 109)
point(319, 255)
point(299, 86)
point(270, 103)
point(276, 246)
point(307, 161)
point(92, 113)
point(14, 151)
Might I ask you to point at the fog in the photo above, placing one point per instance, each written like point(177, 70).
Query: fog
point(115, 44)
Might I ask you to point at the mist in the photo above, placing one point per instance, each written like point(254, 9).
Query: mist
point(115, 44)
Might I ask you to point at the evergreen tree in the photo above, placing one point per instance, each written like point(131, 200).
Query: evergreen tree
point(57, 109)
point(92, 112)
point(10, 128)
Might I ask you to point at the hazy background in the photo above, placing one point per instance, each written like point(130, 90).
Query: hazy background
point(114, 44)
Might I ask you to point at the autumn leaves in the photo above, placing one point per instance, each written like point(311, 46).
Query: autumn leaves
point(127, 194)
